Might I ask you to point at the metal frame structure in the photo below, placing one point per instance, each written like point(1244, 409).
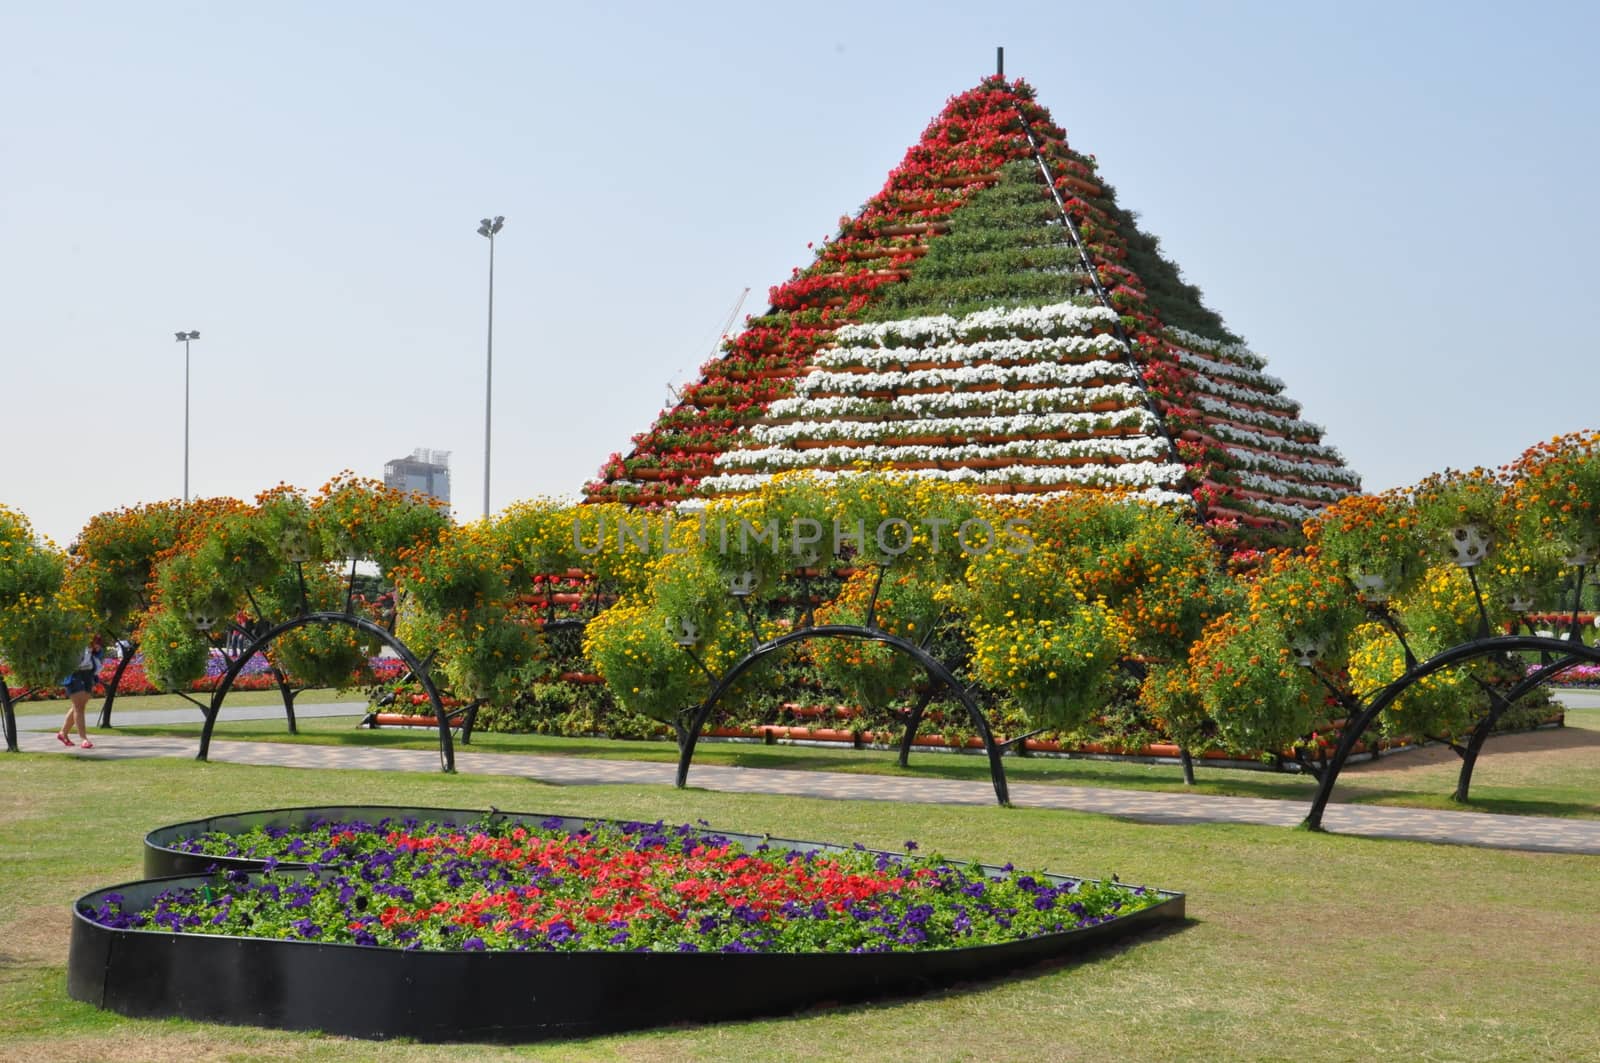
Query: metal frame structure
point(809, 631)
point(1557, 654)
point(447, 756)
point(258, 642)
point(114, 684)
point(1460, 654)
point(8, 717)
point(128, 648)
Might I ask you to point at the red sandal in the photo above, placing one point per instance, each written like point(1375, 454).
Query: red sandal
point(85, 744)
point(61, 736)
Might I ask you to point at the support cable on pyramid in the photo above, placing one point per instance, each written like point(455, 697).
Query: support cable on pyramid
point(1094, 279)
point(992, 317)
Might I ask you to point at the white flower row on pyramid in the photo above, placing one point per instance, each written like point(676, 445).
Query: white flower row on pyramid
point(1140, 421)
point(1158, 496)
point(1270, 421)
point(1228, 433)
point(1264, 381)
point(1033, 400)
point(1008, 349)
point(1056, 319)
point(1257, 482)
point(1272, 463)
point(1233, 352)
point(822, 382)
point(1286, 510)
point(1138, 448)
point(1228, 391)
point(1135, 474)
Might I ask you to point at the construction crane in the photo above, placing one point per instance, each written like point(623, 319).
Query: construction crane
point(675, 391)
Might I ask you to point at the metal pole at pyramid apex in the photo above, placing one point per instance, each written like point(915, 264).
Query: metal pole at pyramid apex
point(1000, 61)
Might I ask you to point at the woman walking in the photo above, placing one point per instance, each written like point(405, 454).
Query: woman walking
point(80, 684)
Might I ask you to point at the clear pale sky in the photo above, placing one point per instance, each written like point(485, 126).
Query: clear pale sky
point(1395, 203)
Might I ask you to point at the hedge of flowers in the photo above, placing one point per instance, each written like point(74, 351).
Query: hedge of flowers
point(180, 581)
point(1087, 616)
point(1124, 608)
point(617, 887)
point(1039, 606)
point(967, 227)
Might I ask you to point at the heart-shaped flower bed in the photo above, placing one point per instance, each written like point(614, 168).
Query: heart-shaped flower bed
point(442, 924)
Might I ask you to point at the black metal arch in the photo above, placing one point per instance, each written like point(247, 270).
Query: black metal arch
point(930, 664)
point(114, 685)
point(447, 753)
point(1571, 650)
point(1501, 704)
point(8, 716)
point(129, 648)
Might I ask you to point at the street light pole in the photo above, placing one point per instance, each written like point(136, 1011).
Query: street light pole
point(184, 338)
point(488, 227)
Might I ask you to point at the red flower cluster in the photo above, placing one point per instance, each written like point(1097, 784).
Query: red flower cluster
point(622, 885)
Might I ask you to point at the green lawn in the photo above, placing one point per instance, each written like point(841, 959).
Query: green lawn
point(1299, 945)
point(1554, 772)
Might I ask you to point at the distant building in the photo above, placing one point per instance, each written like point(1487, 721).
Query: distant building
point(425, 471)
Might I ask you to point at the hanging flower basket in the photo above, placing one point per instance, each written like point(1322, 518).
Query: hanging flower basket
point(1468, 544)
point(1373, 586)
point(1581, 549)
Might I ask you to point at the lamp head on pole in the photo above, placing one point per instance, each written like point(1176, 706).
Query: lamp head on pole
point(489, 226)
point(183, 336)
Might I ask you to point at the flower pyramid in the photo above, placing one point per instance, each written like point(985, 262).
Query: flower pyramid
point(993, 317)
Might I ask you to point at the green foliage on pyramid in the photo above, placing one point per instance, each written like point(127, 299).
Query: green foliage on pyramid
point(995, 318)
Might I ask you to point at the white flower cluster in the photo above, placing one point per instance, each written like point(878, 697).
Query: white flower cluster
point(1260, 398)
point(1138, 474)
point(1250, 459)
point(1157, 496)
point(1264, 381)
point(832, 406)
point(1026, 426)
point(1138, 448)
point(1054, 320)
point(1010, 349)
point(822, 382)
point(1271, 421)
point(1228, 433)
point(1284, 510)
point(1257, 482)
point(1032, 400)
point(1233, 352)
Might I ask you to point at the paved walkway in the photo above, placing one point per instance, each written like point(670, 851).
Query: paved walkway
point(1537, 833)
